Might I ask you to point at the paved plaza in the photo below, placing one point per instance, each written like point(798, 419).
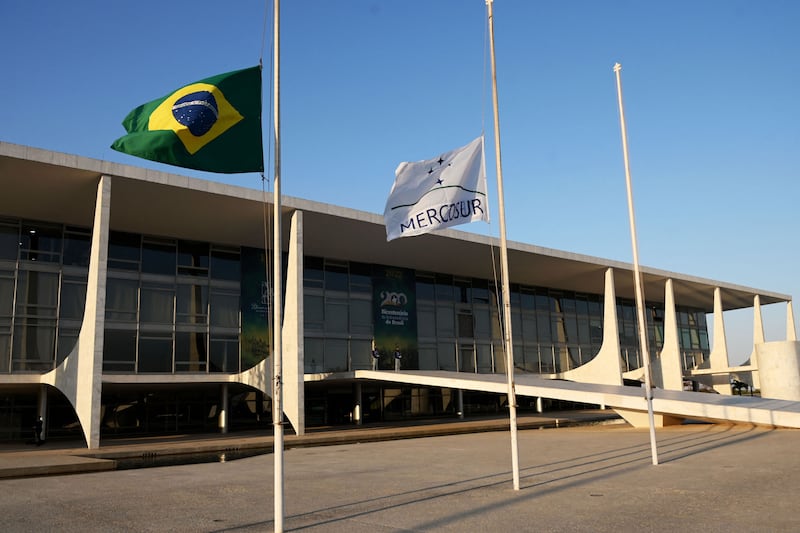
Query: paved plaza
point(594, 478)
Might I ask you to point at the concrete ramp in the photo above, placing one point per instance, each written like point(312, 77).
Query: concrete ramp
point(681, 404)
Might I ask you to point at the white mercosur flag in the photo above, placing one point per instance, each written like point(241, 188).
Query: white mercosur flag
point(438, 193)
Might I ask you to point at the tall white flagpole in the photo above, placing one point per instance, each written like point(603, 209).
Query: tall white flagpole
point(637, 277)
point(277, 282)
point(508, 344)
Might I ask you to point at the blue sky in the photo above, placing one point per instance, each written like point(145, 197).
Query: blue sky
point(710, 91)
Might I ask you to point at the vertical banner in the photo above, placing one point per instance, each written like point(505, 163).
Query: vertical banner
point(395, 318)
point(255, 307)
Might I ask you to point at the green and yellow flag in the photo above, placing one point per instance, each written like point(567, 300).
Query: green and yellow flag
point(213, 125)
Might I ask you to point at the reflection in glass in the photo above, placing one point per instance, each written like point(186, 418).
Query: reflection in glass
point(190, 351)
point(224, 354)
point(157, 304)
point(122, 297)
point(34, 344)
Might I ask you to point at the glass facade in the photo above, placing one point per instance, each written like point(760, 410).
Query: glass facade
point(459, 326)
point(43, 273)
point(171, 306)
point(175, 306)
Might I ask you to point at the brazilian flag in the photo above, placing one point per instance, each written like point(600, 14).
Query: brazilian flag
point(213, 125)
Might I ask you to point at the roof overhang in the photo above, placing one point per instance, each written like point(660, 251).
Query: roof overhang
point(49, 186)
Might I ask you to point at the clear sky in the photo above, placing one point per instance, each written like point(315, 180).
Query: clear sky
point(710, 91)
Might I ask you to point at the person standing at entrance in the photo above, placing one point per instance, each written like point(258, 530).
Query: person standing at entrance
point(376, 356)
point(398, 355)
point(37, 431)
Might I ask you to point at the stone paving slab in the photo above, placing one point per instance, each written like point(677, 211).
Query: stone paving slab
point(58, 458)
point(711, 478)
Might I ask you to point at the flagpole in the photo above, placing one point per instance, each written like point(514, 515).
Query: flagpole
point(277, 282)
point(508, 345)
point(637, 277)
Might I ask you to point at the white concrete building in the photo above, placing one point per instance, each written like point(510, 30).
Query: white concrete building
point(136, 302)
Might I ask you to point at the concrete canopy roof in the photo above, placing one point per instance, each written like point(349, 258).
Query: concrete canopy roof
point(49, 186)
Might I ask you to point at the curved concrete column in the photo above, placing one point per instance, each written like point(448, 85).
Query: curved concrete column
point(670, 372)
point(605, 368)
point(260, 376)
point(719, 352)
point(791, 332)
point(718, 358)
point(293, 331)
point(79, 376)
point(758, 338)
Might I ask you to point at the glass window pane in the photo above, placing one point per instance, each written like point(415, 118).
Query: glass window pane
point(335, 355)
point(532, 363)
point(336, 317)
point(5, 351)
point(426, 322)
point(543, 302)
point(336, 278)
point(73, 300)
point(596, 330)
point(224, 354)
point(484, 357)
point(313, 311)
point(361, 354)
point(428, 358)
point(124, 251)
point(360, 278)
point(6, 294)
point(466, 326)
point(190, 351)
point(158, 258)
point(483, 323)
point(119, 350)
point(122, 297)
point(528, 326)
point(445, 321)
point(425, 290)
point(446, 354)
point(157, 304)
point(312, 273)
point(313, 353)
point(155, 354)
point(193, 254)
point(704, 340)
point(77, 248)
point(34, 345)
point(225, 265)
point(527, 301)
point(191, 304)
point(571, 329)
point(361, 317)
point(466, 359)
point(41, 243)
point(584, 336)
point(67, 339)
point(124, 246)
point(224, 309)
point(444, 289)
point(37, 293)
point(544, 335)
point(9, 241)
